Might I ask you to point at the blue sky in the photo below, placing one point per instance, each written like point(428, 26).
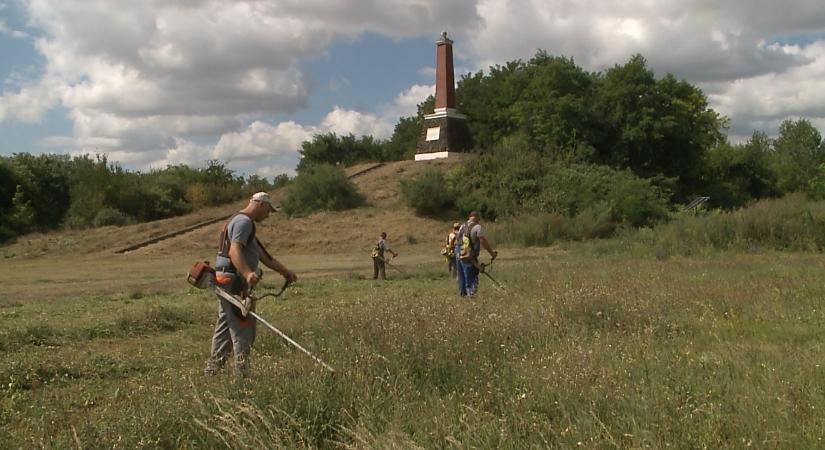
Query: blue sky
point(156, 82)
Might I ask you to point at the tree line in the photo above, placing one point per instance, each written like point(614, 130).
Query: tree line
point(49, 191)
point(622, 145)
point(622, 120)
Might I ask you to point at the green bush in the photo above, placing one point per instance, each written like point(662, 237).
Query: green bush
point(110, 216)
point(320, 188)
point(513, 180)
point(333, 149)
point(429, 194)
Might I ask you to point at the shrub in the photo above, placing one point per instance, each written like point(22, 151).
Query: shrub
point(428, 194)
point(320, 188)
point(110, 216)
point(516, 180)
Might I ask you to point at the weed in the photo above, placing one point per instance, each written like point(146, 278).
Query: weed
point(153, 319)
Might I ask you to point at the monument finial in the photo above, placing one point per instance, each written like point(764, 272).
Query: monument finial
point(444, 39)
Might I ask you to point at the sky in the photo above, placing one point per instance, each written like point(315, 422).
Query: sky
point(156, 82)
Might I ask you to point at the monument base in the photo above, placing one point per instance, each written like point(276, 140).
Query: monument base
point(435, 155)
point(444, 132)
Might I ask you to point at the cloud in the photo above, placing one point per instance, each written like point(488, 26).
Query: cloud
point(730, 49)
point(406, 103)
point(260, 148)
point(698, 40)
point(269, 150)
point(31, 101)
point(157, 81)
point(764, 101)
point(154, 77)
point(16, 34)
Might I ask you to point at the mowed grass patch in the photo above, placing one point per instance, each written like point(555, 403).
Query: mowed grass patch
point(721, 351)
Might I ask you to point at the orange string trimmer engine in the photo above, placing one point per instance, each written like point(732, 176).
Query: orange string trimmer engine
point(201, 275)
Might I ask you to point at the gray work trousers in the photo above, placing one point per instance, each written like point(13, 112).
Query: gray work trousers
point(233, 333)
point(379, 270)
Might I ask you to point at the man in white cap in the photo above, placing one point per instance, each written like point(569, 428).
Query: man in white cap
point(237, 271)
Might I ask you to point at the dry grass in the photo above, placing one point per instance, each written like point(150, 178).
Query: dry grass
point(337, 233)
point(75, 263)
point(628, 352)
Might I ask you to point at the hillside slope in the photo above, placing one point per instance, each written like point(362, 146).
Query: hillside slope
point(344, 232)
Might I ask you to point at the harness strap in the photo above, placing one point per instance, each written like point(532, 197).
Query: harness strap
point(223, 240)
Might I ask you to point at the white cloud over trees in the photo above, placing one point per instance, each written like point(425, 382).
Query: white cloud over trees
point(157, 82)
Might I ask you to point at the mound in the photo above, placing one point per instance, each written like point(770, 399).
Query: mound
point(82, 264)
point(326, 232)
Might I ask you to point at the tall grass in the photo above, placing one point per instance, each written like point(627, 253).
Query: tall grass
point(789, 223)
point(545, 229)
point(792, 223)
point(719, 352)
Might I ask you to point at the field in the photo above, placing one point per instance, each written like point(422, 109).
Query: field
point(622, 351)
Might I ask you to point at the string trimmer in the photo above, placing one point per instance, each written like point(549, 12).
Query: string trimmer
point(202, 275)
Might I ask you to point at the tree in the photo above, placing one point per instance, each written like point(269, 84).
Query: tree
point(329, 148)
point(738, 174)
point(428, 194)
point(404, 139)
point(797, 152)
point(44, 182)
point(321, 187)
point(487, 101)
point(655, 127)
point(555, 105)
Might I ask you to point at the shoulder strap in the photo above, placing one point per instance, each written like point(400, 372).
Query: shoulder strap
point(223, 241)
point(469, 231)
point(262, 248)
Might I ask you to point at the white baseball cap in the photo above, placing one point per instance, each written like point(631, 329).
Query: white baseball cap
point(263, 197)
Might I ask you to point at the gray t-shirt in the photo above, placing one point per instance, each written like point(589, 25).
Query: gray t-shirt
point(477, 231)
point(382, 246)
point(242, 230)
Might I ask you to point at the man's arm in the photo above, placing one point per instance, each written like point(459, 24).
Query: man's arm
point(275, 265)
point(387, 247)
point(238, 261)
point(486, 245)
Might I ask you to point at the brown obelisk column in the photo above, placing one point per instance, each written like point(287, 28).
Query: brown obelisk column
point(445, 131)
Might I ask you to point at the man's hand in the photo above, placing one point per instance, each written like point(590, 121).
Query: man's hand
point(252, 279)
point(290, 276)
point(395, 255)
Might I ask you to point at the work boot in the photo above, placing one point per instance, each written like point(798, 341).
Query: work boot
point(214, 366)
point(242, 365)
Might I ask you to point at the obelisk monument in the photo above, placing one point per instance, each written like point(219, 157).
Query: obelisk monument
point(445, 131)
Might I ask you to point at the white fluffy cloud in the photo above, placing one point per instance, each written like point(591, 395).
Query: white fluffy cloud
point(5, 29)
point(144, 80)
point(730, 49)
point(156, 82)
point(269, 150)
point(696, 39)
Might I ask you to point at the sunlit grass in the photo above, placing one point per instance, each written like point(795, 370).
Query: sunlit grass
point(617, 351)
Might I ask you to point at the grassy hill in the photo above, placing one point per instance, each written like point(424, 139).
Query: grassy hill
point(84, 262)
